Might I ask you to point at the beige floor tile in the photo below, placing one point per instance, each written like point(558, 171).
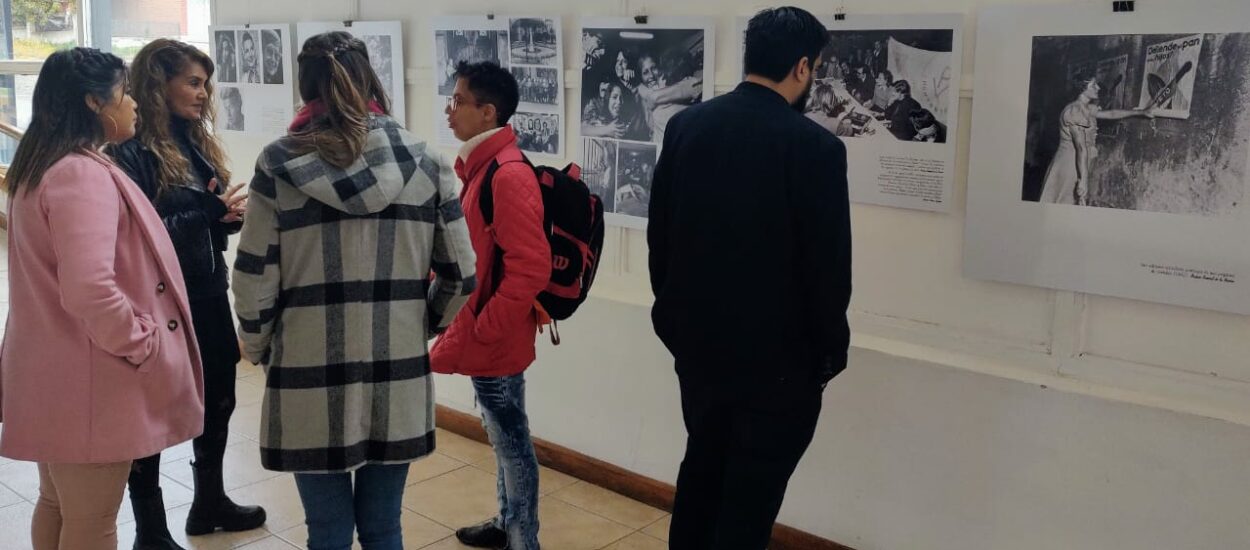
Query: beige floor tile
point(248, 370)
point(15, 526)
point(241, 468)
point(271, 543)
point(216, 541)
point(419, 532)
point(249, 391)
point(431, 467)
point(280, 498)
point(246, 422)
point(173, 493)
point(449, 543)
point(184, 452)
point(639, 541)
point(549, 481)
point(22, 478)
point(461, 448)
point(610, 505)
point(463, 497)
point(9, 497)
point(659, 529)
point(566, 527)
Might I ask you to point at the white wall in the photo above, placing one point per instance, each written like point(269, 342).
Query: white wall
point(974, 415)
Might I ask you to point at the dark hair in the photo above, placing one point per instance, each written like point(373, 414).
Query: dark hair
point(334, 68)
point(154, 66)
point(247, 36)
point(889, 76)
point(903, 87)
point(676, 66)
point(62, 122)
point(776, 39)
point(922, 118)
point(491, 84)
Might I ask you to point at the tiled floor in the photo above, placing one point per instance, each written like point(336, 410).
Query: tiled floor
point(452, 488)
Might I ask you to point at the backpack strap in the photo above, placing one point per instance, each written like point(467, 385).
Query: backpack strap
point(486, 197)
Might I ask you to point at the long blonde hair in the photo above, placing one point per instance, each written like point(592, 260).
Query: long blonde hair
point(155, 65)
point(334, 69)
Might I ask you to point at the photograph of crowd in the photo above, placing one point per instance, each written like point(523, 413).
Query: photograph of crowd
point(537, 132)
point(885, 83)
point(539, 86)
point(635, 80)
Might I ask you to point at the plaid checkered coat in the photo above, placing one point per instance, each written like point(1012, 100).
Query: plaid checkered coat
point(333, 293)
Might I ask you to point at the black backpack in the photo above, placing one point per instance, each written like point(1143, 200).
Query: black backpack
point(573, 222)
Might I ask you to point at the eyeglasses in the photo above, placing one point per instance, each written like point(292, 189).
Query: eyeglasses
point(454, 103)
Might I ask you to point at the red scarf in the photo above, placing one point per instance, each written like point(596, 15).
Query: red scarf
point(316, 108)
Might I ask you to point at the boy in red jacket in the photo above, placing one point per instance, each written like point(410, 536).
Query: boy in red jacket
point(492, 338)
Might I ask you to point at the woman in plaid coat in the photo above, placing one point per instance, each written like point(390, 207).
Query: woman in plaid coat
point(348, 215)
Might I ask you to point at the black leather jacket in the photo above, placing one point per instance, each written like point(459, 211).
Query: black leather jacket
point(191, 214)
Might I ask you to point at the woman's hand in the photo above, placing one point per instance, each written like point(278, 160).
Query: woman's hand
point(235, 199)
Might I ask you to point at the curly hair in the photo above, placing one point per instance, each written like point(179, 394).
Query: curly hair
point(154, 66)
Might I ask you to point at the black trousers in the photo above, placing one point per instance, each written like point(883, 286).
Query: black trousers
point(219, 352)
point(744, 441)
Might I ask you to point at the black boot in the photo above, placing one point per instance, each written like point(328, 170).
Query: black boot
point(483, 535)
point(212, 509)
point(151, 531)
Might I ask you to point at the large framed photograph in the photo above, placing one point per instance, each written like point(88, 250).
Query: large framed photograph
point(635, 78)
point(888, 86)
point(384, 40)
point(530, 48)
point(1114, 162)
point(255, 88)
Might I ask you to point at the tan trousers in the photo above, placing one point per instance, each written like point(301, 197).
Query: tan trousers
point(77, 508)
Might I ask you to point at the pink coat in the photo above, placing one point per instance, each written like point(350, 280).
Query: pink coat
point(99, 362)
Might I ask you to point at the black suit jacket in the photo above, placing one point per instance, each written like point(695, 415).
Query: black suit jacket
point(750, 241)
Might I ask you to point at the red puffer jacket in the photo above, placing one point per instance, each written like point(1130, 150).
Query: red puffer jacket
point(493, 335)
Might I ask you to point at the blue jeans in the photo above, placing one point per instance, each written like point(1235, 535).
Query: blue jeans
point(503, 415)
point(333, 509)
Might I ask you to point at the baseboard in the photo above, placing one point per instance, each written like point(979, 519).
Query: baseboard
point(638, 487)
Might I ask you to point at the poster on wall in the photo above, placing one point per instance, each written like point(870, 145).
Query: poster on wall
point(254, 83)
point(888, 86)
point(635, 78)
point(529, 47)
point(385, 42)
point(1113, 163)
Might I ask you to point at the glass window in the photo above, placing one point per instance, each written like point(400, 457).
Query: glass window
point(40, 27)
point(137, 22)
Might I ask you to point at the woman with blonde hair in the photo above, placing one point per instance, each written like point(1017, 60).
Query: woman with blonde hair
point(349, 214)
point(99, 365)
point(181, 167)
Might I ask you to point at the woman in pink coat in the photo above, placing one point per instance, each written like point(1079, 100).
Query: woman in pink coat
point(99, 364)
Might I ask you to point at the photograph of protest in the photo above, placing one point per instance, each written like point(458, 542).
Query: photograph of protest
point(472, 46)
point(886, 84)
point(539, 86)
point(1155, 123)
point(635, 80)
point(224, 56)
point(534, 42)
point(271, 49)
point(381, 58)
point(537, 132)
point(599, 169)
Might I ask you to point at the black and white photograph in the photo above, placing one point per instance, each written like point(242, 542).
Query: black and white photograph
point(225, 56)
point(472, 46)
point(599, 169)
point(271, 58)
point(534, 42)
point(539, 86)
point(249, 57)
point(635, 167)
point(537, 132)
point(1155, 123)
point(381, 58)
point(885, 83)
point(635, 80)
point(232, 109)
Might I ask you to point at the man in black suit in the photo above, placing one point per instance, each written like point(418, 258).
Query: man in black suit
point(750, 256)
point(899, 112)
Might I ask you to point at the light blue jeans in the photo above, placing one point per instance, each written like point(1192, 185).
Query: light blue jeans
point(503, 414)
point(333, 508)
